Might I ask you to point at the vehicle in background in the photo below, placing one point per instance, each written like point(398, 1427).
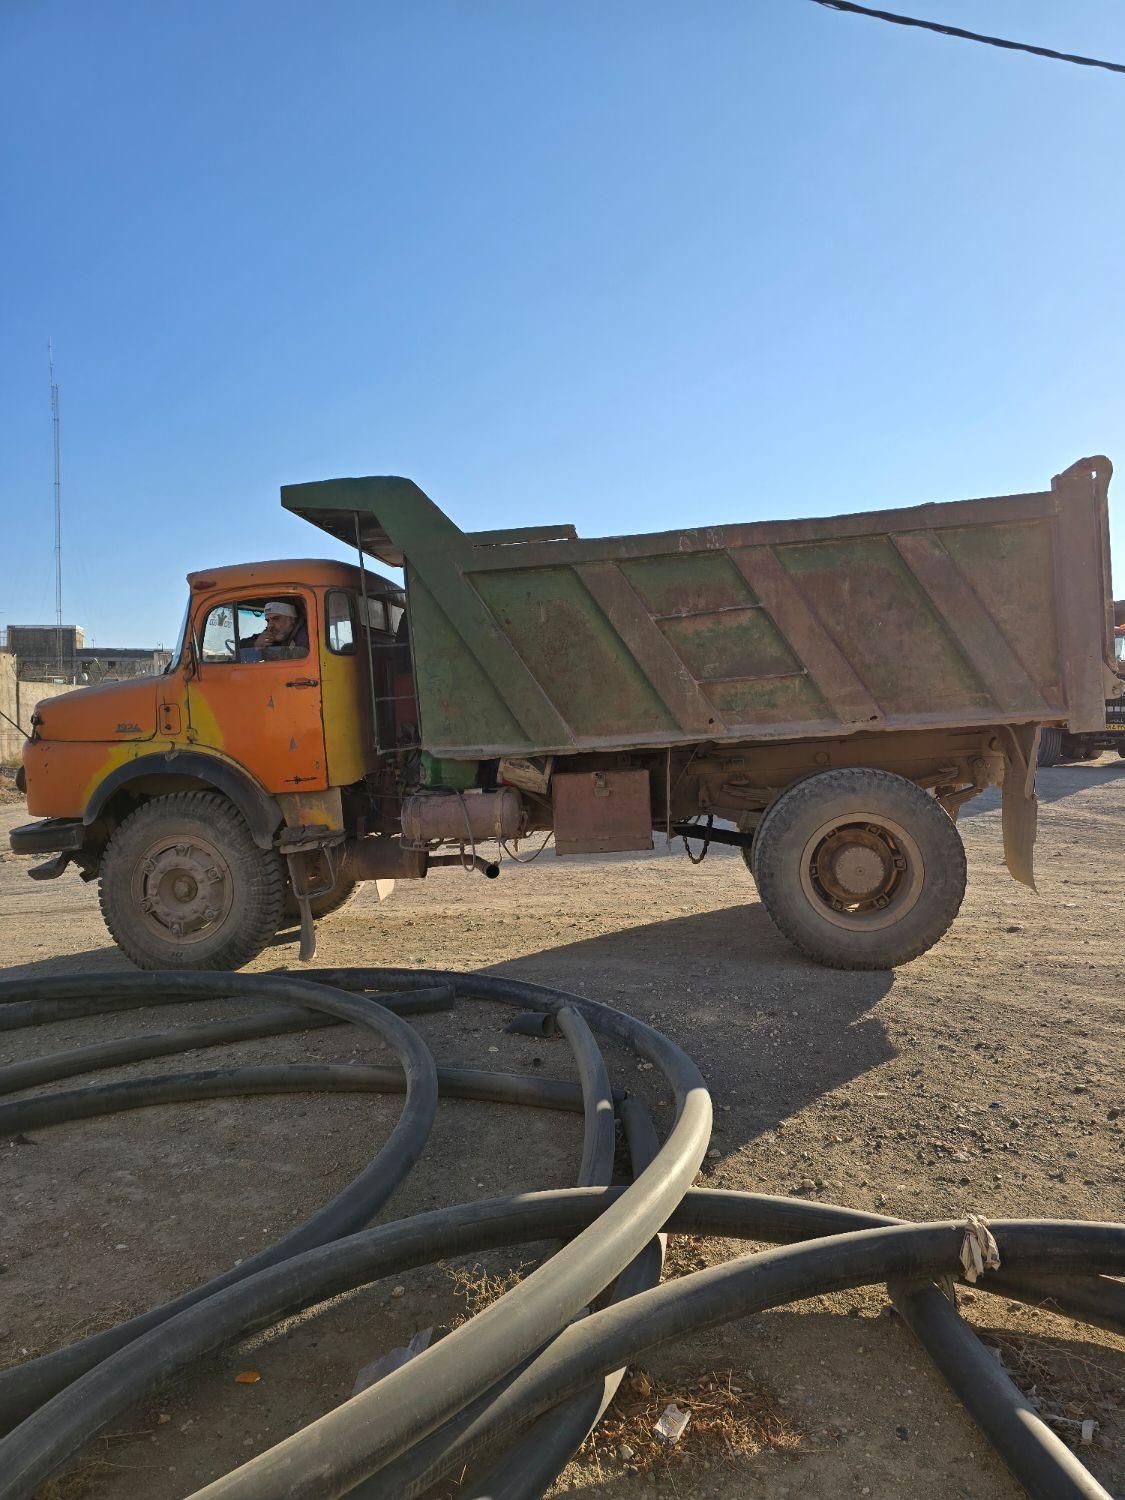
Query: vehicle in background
point(824, 694)
point(1062, 743)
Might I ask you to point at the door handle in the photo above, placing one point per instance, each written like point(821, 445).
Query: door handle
point(304, 682)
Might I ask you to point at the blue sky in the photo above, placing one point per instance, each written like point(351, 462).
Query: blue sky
point(629, 265)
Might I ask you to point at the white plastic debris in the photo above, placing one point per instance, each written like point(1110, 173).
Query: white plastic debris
point(387, 1363)
point(672, 1424)
point(1088, 1427)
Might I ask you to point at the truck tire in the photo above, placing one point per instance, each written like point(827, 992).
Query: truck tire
point(1050, 747)
point(749, 855)
point(859, 869)
point(1077, 747)
point(184, 886)
point(322, 906)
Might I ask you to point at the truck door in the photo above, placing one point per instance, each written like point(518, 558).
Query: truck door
point(256, 700)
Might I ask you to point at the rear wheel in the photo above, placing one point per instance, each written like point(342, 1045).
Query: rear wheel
point(184, 886)
point(859, 868)
point(1050, 747)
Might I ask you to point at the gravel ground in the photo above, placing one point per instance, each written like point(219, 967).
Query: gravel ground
point(986, 1076)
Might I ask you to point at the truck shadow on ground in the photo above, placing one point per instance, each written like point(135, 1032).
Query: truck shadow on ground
point(94, 961)
point(770, 1031)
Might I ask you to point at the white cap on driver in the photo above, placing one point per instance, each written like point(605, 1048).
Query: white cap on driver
point(279, 607)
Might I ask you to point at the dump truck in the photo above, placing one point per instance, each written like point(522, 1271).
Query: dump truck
point(823, 694)
point(1058, 743)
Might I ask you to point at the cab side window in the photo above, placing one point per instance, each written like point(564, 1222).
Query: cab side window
point(256, 630)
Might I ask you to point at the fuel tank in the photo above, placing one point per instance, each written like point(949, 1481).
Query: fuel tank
point(462, 817)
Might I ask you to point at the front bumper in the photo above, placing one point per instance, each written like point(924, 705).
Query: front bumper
point(49, 836)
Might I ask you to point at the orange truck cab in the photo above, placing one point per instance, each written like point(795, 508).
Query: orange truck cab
point(209, 800)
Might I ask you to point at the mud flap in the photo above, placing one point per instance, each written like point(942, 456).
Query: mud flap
point(302, 864)
point(1019, 807)
point(307, 951)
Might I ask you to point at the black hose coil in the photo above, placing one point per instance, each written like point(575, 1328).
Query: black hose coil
point(536, 1369)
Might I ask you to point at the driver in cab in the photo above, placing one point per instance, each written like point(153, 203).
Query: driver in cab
point(286, 633)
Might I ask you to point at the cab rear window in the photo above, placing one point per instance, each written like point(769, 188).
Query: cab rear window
point(340, 619)
point(345, 612)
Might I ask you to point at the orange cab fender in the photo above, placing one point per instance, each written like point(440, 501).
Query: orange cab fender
point(261, 811)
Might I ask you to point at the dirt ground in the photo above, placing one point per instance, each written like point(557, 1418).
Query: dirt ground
point(986, 1076)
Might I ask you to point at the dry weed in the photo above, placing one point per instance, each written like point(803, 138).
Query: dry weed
point(1065, 1387)
point(76, 1484)
point(732, 1416)
point(481, 1287)
point(89, 1476)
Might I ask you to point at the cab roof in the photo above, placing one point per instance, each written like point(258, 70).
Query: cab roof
point(291, 572)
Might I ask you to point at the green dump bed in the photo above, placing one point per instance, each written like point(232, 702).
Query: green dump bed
point(535, 640)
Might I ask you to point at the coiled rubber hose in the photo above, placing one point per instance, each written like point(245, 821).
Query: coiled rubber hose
point(520, 1384)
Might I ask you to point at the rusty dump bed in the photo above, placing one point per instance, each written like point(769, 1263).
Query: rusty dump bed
point(972, 612)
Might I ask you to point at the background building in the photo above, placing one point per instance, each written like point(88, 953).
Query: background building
point(48, 653)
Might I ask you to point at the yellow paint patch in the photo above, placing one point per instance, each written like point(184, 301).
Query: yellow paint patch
point(320, 809)
point(205, 727)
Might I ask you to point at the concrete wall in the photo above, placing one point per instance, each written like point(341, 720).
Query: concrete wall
point(17, 701)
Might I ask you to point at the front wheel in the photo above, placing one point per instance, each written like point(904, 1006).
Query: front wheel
point(859, 868)
point(184, 886)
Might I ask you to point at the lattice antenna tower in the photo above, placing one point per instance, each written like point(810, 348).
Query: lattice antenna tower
point(58, 510)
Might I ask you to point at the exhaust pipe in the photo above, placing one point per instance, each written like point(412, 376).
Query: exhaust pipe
point(473, 861)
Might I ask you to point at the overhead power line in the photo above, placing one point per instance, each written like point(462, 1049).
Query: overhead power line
point(971, 36)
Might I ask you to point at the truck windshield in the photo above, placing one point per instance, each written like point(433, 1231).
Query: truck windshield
point(181, 638)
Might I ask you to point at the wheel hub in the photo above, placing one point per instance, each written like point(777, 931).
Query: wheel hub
point(859, 871)
point(183, 889)
point(855, 865)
